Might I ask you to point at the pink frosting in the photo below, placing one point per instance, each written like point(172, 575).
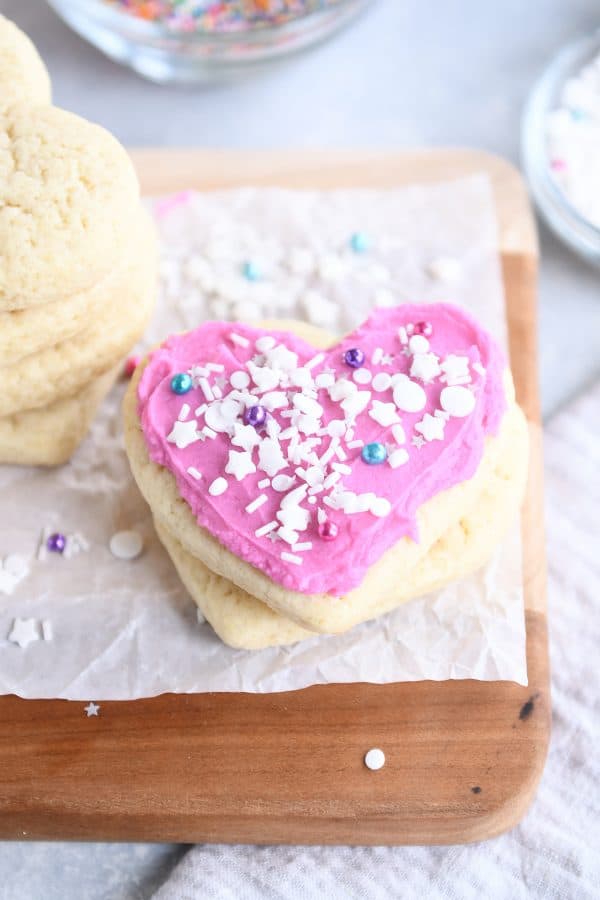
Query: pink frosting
point(337, 566)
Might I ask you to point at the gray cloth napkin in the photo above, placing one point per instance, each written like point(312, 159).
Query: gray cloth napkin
point(553, 853)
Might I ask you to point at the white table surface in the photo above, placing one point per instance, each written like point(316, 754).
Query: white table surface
point(411, 73)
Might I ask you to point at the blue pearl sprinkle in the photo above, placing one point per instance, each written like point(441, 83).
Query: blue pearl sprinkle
point(251, 271)
point(359, 242)
point(181, 383)
point(374, 453)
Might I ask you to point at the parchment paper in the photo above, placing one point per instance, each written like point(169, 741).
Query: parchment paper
point(126, 629)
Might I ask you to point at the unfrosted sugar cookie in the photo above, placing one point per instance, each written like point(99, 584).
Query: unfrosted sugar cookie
point(23, 75)
point(68, 201)
point(49, 436)
point(62, 369)
point(27, 331)
point(319, 481)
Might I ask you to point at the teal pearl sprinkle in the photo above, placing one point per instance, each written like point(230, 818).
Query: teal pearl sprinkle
point(181, 383)
point(374, 453)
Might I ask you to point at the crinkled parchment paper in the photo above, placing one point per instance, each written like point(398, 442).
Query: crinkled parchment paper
point(128, 629)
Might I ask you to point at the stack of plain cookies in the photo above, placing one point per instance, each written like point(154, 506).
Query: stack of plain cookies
point(78, 261)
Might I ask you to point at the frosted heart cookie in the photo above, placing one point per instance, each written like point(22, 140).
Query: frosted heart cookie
point(63, 369)
point(316, 481)
point(50, 435)
point(27, 331)
point(68, 201)
point(23, 75)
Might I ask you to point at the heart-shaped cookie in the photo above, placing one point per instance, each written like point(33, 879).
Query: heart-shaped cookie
point(308, 465)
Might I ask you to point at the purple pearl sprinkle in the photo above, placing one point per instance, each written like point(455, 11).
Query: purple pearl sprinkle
point(56, 543)
point(354, 357)
point(255, 416)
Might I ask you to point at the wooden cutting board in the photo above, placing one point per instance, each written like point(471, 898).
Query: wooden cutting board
point(463, 758)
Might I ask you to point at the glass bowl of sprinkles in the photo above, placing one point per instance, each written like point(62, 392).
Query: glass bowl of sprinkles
point(191, 41)
point(561, 146)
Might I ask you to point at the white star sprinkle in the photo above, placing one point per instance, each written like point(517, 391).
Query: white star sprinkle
point(246, 437)
point(425, 366)
point(384, 414)
point(92, 709)
point(184, 433)
point(386, 360)
point(431, 427)
point(418, 441)
point(24, 632)
point(240, 464)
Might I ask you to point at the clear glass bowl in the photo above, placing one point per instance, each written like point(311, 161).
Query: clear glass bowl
point(165, 55)
point(554, 206)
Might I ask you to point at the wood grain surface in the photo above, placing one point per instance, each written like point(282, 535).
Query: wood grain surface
point(463, 758)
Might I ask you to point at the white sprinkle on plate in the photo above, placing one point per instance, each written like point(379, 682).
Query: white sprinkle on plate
point(126, 544)
point(374, 759)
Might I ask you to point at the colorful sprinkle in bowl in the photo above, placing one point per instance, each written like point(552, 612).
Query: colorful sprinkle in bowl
point(192, 41)
point(545, 170)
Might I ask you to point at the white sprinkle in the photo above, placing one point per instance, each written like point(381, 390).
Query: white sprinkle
point(457, 401)
point(399, 434)
point(194, 473)
point(288, 535)
point(312, 499)
point(264, 343)
point(282, 483)
point(206, 389)
point(42, 550)
point(316, 489)
point(218, 487)
point(341, 468)
point(353, 445)
point(380, 507)
point(47, 632)
point(418, 344)
point(256, 504)
point(78, 539)
point(200, 410)
point(349, 434)
point(24, 632)
point(239, 339)
point(384, 414)
point(403, 335)
point(215, 367)
point(374, 759)
point(329, 454)
point(479, 368)
point(398, 458)
point(217, 391)
point(336, 428)
point(265, 529)
point(331, 479)
point(377, 354)
point(325, 380)
point(239, 380)
point(362, 376)
point(381, 382)
point(300, 548)
point(444, 268)
point(126, 544)
point(340, 454)
point(209, 432)
point(184, 412)
point(315, 361)
point(289, 557)
point(264, 483)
